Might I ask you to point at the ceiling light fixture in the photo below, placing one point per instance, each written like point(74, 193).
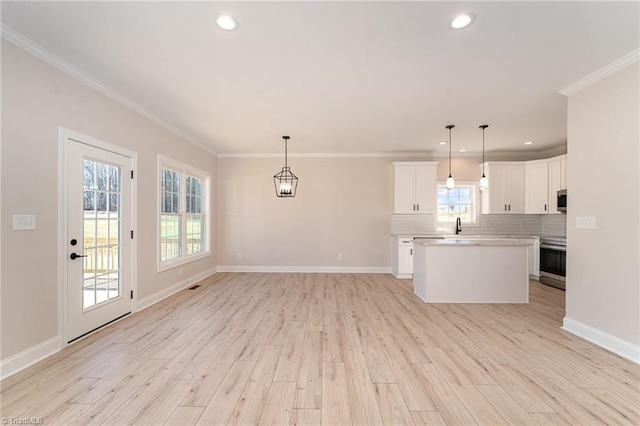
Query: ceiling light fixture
point(462, 150)
point(227, 23)
point(529, 143)
point(450, 182)
point(442, 143)
point(484, 182)
point(462, 21)
point(285, 182)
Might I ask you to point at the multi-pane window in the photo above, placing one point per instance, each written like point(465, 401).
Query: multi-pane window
point(459, 202)
point(170, 215)
point(195, 215)
point(183, 213)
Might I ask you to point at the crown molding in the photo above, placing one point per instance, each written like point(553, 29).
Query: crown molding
point(325, 155)
point(418, 156)
point(40, 52)
point(606, 71)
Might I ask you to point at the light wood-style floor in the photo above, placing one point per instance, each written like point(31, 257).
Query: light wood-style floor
point(330, 349)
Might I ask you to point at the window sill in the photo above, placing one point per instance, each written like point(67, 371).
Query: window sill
point(174, 263)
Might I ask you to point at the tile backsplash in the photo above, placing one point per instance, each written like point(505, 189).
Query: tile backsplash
point(491, 224)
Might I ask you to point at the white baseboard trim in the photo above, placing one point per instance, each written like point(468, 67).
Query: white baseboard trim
point(28, 357)
point(310, 269)
point(163, 294)
point(603, 339)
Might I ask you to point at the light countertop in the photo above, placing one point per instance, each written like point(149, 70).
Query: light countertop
point(462, 236)
point(470, 242)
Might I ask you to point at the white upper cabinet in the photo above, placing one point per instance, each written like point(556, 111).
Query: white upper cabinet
point(543, 179)
point(506, 188)
point(415, 187)
point(536, 191)
point(557, 180)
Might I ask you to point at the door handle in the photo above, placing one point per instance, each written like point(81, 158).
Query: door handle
point(75, 256)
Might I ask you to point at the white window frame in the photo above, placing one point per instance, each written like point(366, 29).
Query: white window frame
point(184, 170)
point(475, 204)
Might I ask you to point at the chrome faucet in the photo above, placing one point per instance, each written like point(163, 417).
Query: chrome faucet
point(458, 226)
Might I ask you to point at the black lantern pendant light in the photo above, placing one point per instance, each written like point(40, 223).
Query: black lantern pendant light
point(450, 182)
point(484, 182)
point(285, 182)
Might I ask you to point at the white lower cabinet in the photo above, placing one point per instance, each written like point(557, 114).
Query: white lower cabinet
point(402, 257)
point(534, 257)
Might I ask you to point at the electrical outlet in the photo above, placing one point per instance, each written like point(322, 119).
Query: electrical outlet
point(24, 222)
point(239, 256)
point(588, 222)
point(339, 256)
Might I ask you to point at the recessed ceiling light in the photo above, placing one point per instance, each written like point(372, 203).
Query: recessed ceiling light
point(227, 22)
point(442, 143)
point(462, 21)
point(529, 143)
point(462, 150)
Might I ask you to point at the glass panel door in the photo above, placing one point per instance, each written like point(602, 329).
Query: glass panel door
point(99, 251)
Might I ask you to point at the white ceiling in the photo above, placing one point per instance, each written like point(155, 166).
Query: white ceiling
point(340, 76)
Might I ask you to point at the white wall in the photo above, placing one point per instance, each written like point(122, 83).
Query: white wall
point(36, 99)
point(603, 276)
point(342, 206)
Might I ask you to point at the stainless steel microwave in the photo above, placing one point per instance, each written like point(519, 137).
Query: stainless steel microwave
point(562, 200)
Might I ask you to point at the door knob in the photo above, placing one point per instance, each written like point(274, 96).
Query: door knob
point(75, 256)
point(73, 242)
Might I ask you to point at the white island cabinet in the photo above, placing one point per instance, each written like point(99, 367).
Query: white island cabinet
point(471, 271)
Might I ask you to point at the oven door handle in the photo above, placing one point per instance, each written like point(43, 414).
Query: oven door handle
point(550, 247)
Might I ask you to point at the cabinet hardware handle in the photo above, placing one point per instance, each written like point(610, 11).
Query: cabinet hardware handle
point(411, 252)
point(545, 207)
point(418, 207)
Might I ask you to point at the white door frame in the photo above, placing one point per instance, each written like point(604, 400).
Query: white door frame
point(63, 135)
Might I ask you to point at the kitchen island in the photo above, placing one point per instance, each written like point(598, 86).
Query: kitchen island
point(471, 271)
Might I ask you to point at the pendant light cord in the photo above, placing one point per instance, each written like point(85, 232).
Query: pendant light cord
point(483, 151)
point(450, 126)
point(449, 151)
point(286, 139)
point(484, 126)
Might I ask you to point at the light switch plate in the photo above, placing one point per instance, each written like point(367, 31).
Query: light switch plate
point(586, 222)
point(24, 222)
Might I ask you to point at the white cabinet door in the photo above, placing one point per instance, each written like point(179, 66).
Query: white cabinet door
point(536, 189)
point(402, 257)
point(497, 192)
point(555, 184)
point(404, 189)
point(515, 185)
point(405, 260)
point(534, 256)
point(426, 188)
point(415, 186)
point(506, 188)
